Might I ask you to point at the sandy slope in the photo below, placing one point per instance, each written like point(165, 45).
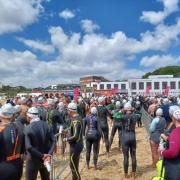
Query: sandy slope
point(112, 168)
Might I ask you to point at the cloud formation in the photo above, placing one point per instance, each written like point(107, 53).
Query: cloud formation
point(16, 15)
point(170, 6)
point(37, 45)
point(89, 26)
point(66, 14)
point(157, 61)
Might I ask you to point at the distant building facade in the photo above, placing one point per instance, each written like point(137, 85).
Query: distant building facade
point(88, 79)
point(154, 85)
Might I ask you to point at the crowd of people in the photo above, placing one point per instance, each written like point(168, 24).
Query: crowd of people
point(28, 126)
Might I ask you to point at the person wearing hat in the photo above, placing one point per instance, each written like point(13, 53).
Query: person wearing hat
point(92, 133)
point(41, 110)
point(11, 145)
point(53, 116)
point(165, 108)
point(172, 153)
point(117, 124)
point(157, 127)
point(40, 143)
point(129, 139)
point(81, 108)
point(75, 140)
point(103, 114)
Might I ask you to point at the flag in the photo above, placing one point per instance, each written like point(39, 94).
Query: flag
point(148, 89)
point(114, 90)
point(76, 94)
point(166, 91)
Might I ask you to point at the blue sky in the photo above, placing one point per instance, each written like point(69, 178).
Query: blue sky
point(46, 42)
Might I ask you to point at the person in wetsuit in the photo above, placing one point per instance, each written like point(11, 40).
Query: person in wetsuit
point(129, 139)
point(40, 143)
point(75, 140)
point(92, 133)
point(81, 108)
point(42, 111)
point(102, 116)
point(138, 113)
point(11, 145)
point(117, 124)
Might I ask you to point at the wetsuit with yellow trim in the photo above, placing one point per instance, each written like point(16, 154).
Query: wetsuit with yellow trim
point(11, 148)
point(76, 146)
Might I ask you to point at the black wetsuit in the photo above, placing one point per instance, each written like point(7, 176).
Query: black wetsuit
point(102, 116)
point(39, 140)
point(11, 148)
point(129, 141)
point(54, 119)
point(92, 132)
point(138, 115)
point(117, 125)
point(42, 112)
point(81, 109)
point(76, 146)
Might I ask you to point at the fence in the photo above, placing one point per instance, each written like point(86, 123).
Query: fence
point(146, 118)
point(60, 159)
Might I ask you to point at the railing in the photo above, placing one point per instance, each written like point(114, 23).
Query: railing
point(60, 159)
point(146, 118)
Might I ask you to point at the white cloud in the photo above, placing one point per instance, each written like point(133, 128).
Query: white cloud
point(37, 45)
point(89, 26)
point(153, 17)
point(157, 61)
point(16, 15)
point(66, 14)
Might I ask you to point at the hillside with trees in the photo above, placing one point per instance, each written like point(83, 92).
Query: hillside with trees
point(168, 70)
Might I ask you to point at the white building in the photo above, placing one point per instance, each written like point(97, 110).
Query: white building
point(154, 85)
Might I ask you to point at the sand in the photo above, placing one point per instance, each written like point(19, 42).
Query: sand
point(112, 168)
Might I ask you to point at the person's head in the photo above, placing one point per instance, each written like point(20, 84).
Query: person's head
point(94, 111)
point(72, 109)
point(23, 100)
point(101, 100)
point(118, 104)
point(128, 108)
point(50, 102)
point(17, 110)
point(165, 101)
point(61, 106)
point(159, 112)
point(176, 117)
point(29, 103)
point(172, 109)
point(40, 100)
point(7, 113)
point(32, 113)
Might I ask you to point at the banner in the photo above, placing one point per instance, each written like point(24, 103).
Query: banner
point(166, 91)
point(76, 94)
point(148, 89)
point(114, 91)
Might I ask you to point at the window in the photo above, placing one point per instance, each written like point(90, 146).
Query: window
point(102, 86)
point(123, 86)
point(141, 85)
point(108, 86)
point(156, 85)
point(148, 84)
point(133, 86)
point(164, 85)
point(116, 86)
point(95, 86)
point(173, 85)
